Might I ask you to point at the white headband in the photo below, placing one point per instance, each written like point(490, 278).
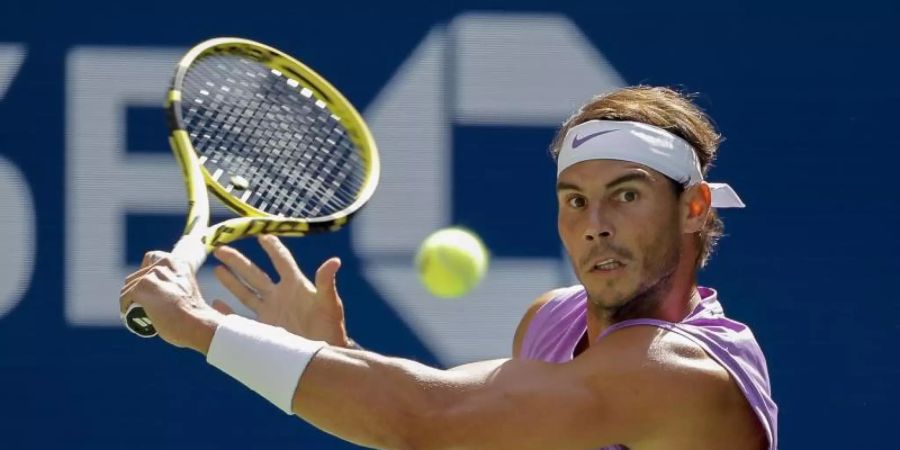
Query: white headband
point(643, 144)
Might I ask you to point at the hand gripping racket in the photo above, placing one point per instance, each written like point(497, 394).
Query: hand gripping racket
point(272, 139)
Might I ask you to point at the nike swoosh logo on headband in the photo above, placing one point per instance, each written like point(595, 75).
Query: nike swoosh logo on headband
point(578, 140)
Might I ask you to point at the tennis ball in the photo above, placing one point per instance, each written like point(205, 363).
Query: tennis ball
point(451, 262)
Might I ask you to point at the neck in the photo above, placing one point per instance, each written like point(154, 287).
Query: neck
point(670, 300)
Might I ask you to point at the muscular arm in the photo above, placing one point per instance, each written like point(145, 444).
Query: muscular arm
point(630, 387)
point(376, 431)
point(621, 391)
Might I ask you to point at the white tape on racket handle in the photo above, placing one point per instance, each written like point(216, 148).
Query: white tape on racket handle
point(191, 250)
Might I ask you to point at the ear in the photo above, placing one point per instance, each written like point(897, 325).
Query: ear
point(695, 204)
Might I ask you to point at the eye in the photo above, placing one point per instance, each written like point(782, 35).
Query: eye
point(627, 196)
point(576, 201)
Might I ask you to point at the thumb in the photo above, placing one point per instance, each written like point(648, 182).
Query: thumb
point(326, 282)
point(222, 307)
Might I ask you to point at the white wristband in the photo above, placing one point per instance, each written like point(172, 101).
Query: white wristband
point(268, 360)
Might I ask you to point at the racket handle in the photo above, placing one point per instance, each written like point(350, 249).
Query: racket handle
point(137, 322)
point(188, 249)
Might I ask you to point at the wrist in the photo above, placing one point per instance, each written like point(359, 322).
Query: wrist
point(204, 327)
point(267, 359)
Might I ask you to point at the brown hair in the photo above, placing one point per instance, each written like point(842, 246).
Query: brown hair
point(664, 108)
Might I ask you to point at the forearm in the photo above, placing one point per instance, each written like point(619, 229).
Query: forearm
point(373, 400)
point(359, 396)
point(392, 403)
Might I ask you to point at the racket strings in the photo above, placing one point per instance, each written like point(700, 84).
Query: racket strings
point(246, 120)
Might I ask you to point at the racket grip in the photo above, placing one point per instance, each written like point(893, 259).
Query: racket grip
point(191, 250)
point(188, 249)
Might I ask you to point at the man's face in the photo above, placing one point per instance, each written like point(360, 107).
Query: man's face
point(619, 222)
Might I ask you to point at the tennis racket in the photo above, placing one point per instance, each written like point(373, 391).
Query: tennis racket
point(272, 139)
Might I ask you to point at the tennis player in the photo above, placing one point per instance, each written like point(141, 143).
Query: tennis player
point(637, 356)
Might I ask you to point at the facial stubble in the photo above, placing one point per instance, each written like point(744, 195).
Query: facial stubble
point(659, 266)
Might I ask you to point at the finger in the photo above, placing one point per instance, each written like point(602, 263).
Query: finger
point(163, 272)
point(151, 260)
point(243, 267)
point(237, 287)
point(156, 257)
point(134, 277)
point(282, 259)
point(326, 281)
point(126, 296)
point(222, 307)
point(130, 286)
point(146, 288)
point(124, 301)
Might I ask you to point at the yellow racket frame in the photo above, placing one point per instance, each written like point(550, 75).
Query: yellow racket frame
point(254, 221)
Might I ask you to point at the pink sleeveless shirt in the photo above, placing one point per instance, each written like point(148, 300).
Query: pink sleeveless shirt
point(559, 325)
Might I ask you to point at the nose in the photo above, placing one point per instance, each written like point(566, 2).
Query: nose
point(598, 226)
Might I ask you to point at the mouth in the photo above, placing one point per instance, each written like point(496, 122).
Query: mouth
point(607, 265)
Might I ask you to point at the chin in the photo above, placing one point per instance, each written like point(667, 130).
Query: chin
point(606, 297)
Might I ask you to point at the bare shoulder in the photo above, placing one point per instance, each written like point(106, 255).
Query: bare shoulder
point(662, 355)
point(672, 383)
point(529, 314)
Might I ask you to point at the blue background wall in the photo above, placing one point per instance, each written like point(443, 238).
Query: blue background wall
point(806, 95)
